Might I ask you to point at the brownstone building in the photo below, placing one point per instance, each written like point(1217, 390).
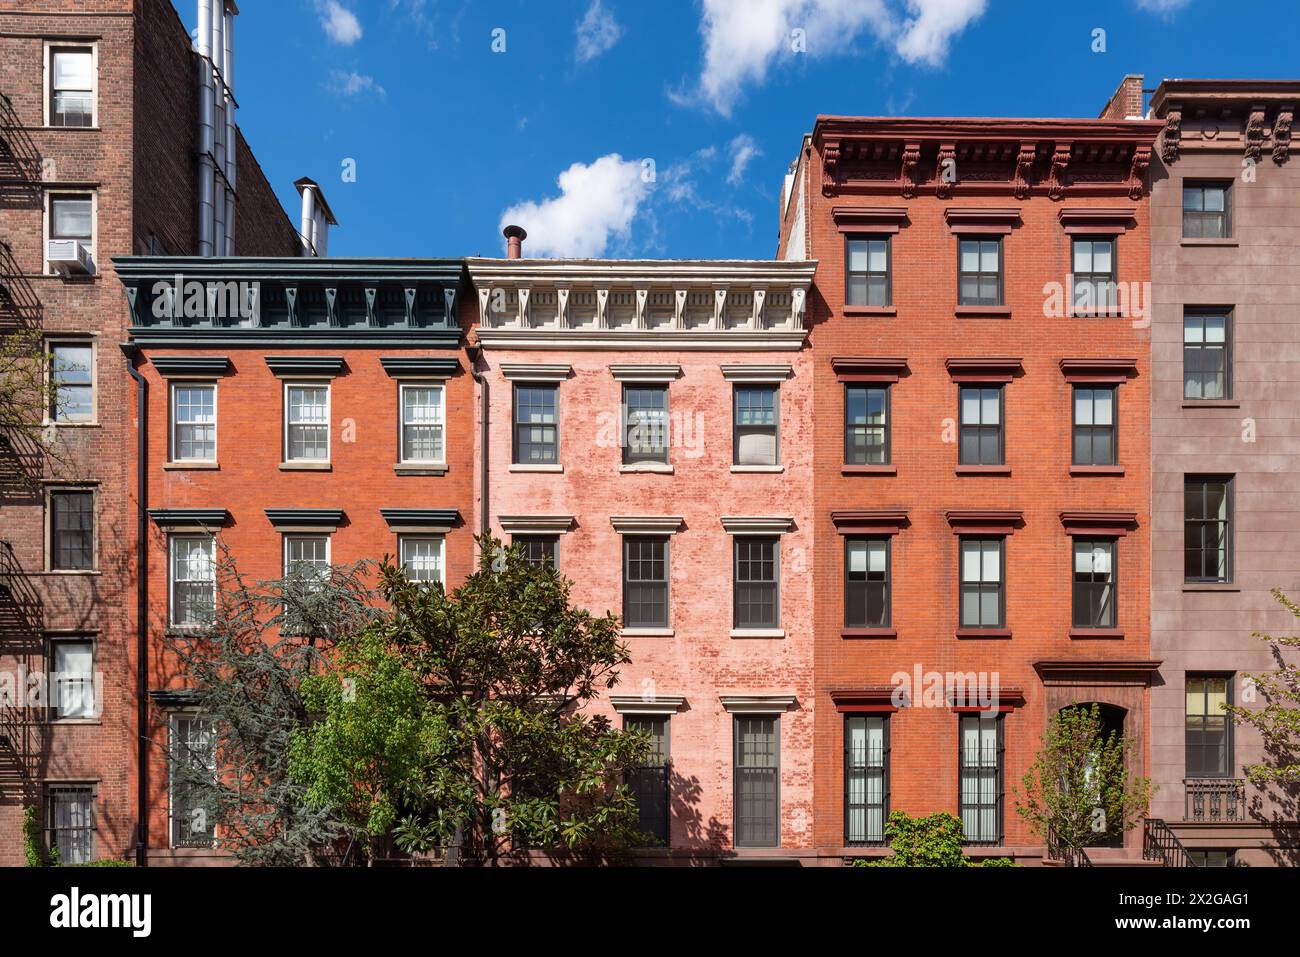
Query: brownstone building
point(118, 137)
point(982, 373)
point(1225, 235)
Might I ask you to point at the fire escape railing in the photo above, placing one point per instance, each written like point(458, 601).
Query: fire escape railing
point(21, 645)
point(20, 160)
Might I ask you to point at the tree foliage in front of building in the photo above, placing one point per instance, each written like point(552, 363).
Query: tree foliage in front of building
point(1277, 720)
point(931, 840)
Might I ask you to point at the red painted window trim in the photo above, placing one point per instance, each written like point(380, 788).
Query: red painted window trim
point(869, 219)
point(866, 369)
point(1106, 524)
point(981, 221)
point(1098, 371)
point(1097, 220)
point(976, 521)
point(984, 368)
point(885, 521)
point(872, 699)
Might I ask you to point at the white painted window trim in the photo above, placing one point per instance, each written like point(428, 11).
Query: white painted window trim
point(172, 423)
point(47, 80)
point(172, 539)
point(329, 420)
point(71, 338)
point(441, 389)
point(441, 539)
point(48, 225)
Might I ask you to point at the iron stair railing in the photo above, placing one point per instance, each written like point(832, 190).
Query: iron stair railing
point(1160, 843)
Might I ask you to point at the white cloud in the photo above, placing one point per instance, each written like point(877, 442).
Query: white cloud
point(743, 38)
point(597, 32)
point(743, 149)
point(352, 83)
point(1162, 6)
point(597, 201)
point(339, 23)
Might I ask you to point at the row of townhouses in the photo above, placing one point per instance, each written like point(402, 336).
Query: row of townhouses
point(1005, 425)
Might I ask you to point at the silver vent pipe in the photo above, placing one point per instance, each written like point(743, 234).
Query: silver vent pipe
point(207, 131)
point(232, 133)
point(219, 129)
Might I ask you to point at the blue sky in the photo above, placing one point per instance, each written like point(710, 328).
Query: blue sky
point(453, 124)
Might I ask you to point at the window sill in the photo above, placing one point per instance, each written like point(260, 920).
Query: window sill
point(1211, 586)
point(984, 470)
point(654, 468)
point(758, 468)
point(1096, 633)
point(983, 632)
point(186, 466)
point(998, 312)
point(1211, 404)
point(1095, 314)
point(74, 572)
point(868, 633)
point(758, 633)
point(50, 127)
point(305, 467)
point(73, 722)
point(548, 467)
point(648, 632)
point(72, 425)
point(870, 311)
point(1207, 241)
point(410, 468)
point(869, 470)
point(1096, 470)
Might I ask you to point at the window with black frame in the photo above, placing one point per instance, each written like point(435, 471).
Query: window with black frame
point(645, 423)
point(981, 786)
point(866, 779)
point(981, 440)
point(866, 583)
point(1207, 210)
point(1209, 730)
point(983, 597)
point(1094, 275)
point(1207, 528)
point(979, 272)
point(867, 271)
point(757, 583)
point(645, 582)
point(1094, 425)
point(1207, 363)
point(649, 782)
point(72, 530)
point(866, 425)
point(540, 551)
point(1094, 583)
point(757, 773)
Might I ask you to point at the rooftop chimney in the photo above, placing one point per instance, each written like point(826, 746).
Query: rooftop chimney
point(1126, 102)
point(317, 218)
point(515, 237)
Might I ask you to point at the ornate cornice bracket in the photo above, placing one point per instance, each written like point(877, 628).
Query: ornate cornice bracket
point(907, 172)
point(1282, 133)
point(1056, 180)
point(1024, 169)
point(1172, 133)
point(1255, 133)
point(1137, 171)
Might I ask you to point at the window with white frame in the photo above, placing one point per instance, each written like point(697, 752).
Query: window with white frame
point(307, 423)
point(307, 556)
point(422, 423)
point(421, 557)
point(70, 822)
point(194, 422)
point(72, 86)
point(72, 216)
point(193, 758)
point(193, 583)
point(72, 679)
point(72, 381)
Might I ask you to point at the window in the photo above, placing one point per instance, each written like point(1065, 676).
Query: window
point(72, 679)
point(645, 582)
point(540, 551)
point(536, 428)
point(866, 583)
point(193, 757)
point(649, 782)
point(72, 86)
point(981, 440)
point(421, 557)
point(307, 423)
point(72, 530)
point(1211, 857)
point(866, 425)
point(422, 423)
point(1094, 275)
point(645, 424)
point(868, 272)
point(982, 592)
point(755, 416)
point(72, 216)
point(194, 422)
point(757, 589)
point(981, 778)
point(1206, 356)
point(307, 556)
point(979, 272)
point(1209, 732)
point(1207, 526)
point(1207, 210)
point(1094, 425)
point(866, 779)
point(193, 580)
point(70, 823)
point(1094, 583)
point(72, 382)
point(757, 774)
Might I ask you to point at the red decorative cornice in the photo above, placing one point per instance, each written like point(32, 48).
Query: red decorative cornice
point(1101, 371)
point(867, 369)
point(1080, 671)
point(869, 219)
point(981, 219)
point(975, 521)
point(885, 521)
point(1115, 524)
point(984, 368)
point(1096, 219)
point(864, 699)
point(985, 698)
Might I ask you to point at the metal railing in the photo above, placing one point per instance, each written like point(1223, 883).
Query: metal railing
point(1160, 843)
point(21, 641)
point(1067, 854)
point(1214, 799)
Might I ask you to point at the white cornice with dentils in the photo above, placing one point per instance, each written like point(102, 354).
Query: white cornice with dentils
point(535, 524)
point(647, 524)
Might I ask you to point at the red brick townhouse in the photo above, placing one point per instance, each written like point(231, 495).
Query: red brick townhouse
point(117, 136)
point(649, 431)
point(981, 367)
point(333, 422)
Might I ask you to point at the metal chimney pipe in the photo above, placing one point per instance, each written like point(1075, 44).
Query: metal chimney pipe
point(232, 134)
point(219, 128)
point(206, 129)
point(307, 224)
point(515, 236)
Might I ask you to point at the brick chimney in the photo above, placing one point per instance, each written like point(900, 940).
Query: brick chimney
point(515, 237)
point(1126, 102)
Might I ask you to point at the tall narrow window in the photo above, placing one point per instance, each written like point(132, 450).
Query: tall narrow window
point(307, 418)
point(421, 557)
point(193, 580)
point(866, 779)
point(70, 823)
point(1206, 210)
point(645, 582)
point(866, 582)
point(868, 271)
point(755, 440)
point(72, 86)
point(645, 423)
point(72, 381)
point(540, 551)
point(757, 774)
point(979, 272)
point(194, 422)
point(72, 217)
point(866, 427)
point(422, 423)
point(72, 530)
point(1209, 732)
point(193, 759)
point(1094, 583)
point(981, 440)
point(1094, 425)
point(1094, 275)
point(536, 424)
point(1207, 528)
point(981, 778)
point(1207, 363)
point(649, 782)
point(307, 556)
point(72, 679)
point(983, 597)
point(757, 587)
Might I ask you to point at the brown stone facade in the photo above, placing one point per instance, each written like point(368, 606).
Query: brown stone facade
point(1242, 272)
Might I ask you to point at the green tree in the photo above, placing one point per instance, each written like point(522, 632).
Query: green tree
point(1278, 720)
point(933, 840)
point(1079, 789)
